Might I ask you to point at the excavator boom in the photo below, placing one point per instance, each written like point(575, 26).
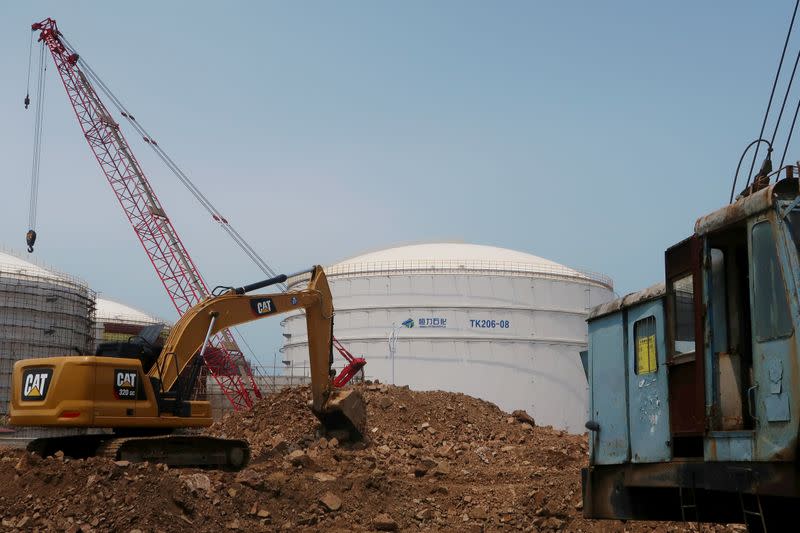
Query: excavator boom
point(234, 307)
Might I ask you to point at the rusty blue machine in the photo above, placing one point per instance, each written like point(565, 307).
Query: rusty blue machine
point(694, 402)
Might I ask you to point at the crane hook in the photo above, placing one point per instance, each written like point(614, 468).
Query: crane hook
point(30, 237)
point(27, 100)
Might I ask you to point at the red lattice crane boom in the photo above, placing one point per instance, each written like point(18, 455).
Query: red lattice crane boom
point(178, 273)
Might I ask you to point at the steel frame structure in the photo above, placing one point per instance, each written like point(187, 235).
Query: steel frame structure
point(178, 273)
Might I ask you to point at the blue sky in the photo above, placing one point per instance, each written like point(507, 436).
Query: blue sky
point(592, 135)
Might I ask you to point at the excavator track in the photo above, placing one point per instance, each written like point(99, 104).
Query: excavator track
point(186, 451)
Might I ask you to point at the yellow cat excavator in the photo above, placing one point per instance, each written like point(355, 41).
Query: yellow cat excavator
point(145, 397)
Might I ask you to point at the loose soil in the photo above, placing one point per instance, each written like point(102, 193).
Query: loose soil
point(431, 461)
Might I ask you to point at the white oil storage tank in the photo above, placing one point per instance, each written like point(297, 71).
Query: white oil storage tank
point(42, 313)
point(498, 324)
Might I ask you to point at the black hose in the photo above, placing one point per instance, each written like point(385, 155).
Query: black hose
point(261, 284)
point(739, 166)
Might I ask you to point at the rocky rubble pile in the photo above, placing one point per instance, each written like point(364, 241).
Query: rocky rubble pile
point(60, 494)
point(431, 461)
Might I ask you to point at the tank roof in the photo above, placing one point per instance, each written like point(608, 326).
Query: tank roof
point(11, 262)
point(106, 310)
point(112, 311)
point(449, 251)
point(445, 256)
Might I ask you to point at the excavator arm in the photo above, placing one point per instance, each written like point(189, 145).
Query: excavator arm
point(190, 334)
point(337, 409)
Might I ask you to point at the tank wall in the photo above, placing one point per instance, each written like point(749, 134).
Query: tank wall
point(40, 317)
point(514, 341)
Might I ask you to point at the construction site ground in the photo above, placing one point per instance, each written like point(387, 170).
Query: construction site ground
point(431, 461)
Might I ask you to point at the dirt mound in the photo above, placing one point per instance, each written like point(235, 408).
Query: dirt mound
point(60, 494)
point(433, 461)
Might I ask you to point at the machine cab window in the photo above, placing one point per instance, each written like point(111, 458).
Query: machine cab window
point(683, 315)
point(644, 332)
point(771, 317)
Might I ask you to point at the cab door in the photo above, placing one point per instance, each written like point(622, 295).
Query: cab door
point(647, 383)
point(770, 398)
point(607, 390)
point(685, 346)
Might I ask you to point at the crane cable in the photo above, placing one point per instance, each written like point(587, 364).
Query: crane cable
point(175, 169)
point(27, 100)
point(785, 98)
point(771, 95)
point(789, 137)
point(30, 237)
point(794, 118)
point(180, 174)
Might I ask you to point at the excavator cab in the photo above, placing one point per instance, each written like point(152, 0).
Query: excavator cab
point(145, 347)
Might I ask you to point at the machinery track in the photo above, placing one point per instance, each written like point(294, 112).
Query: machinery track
point(188, 451)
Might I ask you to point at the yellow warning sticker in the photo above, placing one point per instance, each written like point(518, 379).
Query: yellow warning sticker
point(646, 354)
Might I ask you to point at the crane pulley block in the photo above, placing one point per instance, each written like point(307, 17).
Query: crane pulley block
point(30, 238)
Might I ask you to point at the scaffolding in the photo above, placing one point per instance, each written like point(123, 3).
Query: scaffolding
point(42, 314)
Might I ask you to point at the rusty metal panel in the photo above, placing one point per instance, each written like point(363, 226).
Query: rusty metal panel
point(747, 207)
point(650, 293)
point(735, 212)
point(774, 399)
point(729, 402)
point(686, 369)
point(684, 419)
point(678, 258)
point(650, 491)
point(729, 446)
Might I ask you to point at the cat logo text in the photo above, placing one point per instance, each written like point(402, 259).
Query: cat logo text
point(262, 306)
point(35, 383)
point(125, 384)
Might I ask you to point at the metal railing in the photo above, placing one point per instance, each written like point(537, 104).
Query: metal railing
point(448, 266)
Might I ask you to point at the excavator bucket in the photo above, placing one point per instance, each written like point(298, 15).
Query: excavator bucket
point(344, 415)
